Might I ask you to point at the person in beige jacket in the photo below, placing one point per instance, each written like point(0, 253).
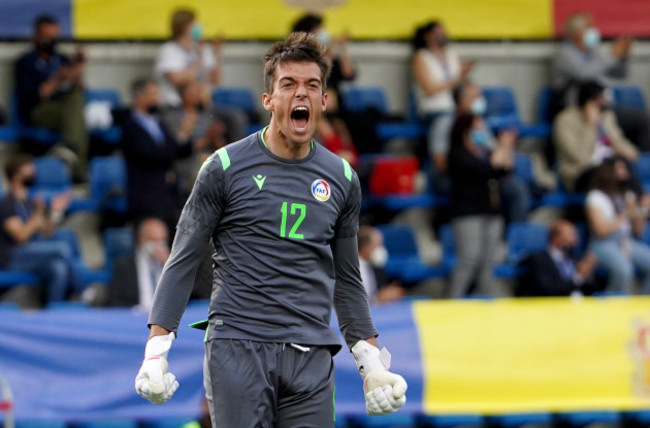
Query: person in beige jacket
point(587, 134)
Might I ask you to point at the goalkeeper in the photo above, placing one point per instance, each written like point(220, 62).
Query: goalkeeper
point(282, 212)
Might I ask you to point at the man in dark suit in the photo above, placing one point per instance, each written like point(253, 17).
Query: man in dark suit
point(135, 275)
point(372, 258)
point(149, 151)
point(554, 271)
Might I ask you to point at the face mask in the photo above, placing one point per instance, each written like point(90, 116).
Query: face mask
point(324, 37)
point(29, 181)
point(149, 247)
point(197, 31)
point(591, 37)
point(479, 137)
point(153, 109)
point(568, 250)
point(379, 257)
point(479, 106)
point(46, 46)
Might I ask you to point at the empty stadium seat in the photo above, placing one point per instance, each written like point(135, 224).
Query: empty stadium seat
point(9, 278)
point(502, 113)
point(629, 96)
point(117, 242)
point(107, 180)
point(522, 239)
point(52, 176)
point(543, 104)
point(112, 134)
point(557, 198)
point(361, 98)
point(404, 261)
point(239, 97)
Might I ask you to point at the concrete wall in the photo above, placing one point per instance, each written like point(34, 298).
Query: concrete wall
point(523, 66)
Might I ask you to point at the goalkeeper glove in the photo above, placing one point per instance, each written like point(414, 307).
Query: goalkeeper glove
point(153, 381)
point(385, 391)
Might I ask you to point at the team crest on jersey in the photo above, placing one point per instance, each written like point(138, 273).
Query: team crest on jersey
point(320, 190)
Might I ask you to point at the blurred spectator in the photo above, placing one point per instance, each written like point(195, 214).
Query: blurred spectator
point(333, 132)
point(150, 151)
point(23, 220)
point(437, 71)
point(514, 192)
point(208, 132)
point(616, 215)
point(580, 60)
point(135, 276)
point(556, 271)
point(372, 259)
point(343, 69)
point(475, 172)
point(186, 59)
point(586, 135)
point(49, 87)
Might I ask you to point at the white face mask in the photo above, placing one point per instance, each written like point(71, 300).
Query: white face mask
point(324, 37)
point(149, 247)
point(591, 37)
point(479, 106)
point(379, 257)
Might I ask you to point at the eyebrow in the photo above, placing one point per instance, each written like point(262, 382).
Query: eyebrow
point(312, 80)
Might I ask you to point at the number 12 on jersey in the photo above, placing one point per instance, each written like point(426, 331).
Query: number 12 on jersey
point(293, 210)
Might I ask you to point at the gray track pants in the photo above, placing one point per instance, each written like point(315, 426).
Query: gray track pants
point(263, 384)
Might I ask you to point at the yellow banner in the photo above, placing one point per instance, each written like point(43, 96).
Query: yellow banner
point(272, 19)
point(535, 355)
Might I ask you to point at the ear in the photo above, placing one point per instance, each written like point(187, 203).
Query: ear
point(324, 102)
point(267, 102)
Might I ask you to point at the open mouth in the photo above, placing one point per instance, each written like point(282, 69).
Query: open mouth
point(300, 118)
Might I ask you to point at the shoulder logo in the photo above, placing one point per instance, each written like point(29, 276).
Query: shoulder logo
point(259, 180)
point(320, 190)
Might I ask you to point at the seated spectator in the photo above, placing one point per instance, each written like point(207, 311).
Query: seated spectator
point(580, 60)
point(372, 259)
point(334, 134)
point(49, 88)
point(586, 135)
point(514, 192)
point(150, 151)
point(209, 133)
point(186, 59)
point(616, 217)
point(437, 70)
point(475, 172)
point(135, 276)
point(22, 221)
point(555, 271)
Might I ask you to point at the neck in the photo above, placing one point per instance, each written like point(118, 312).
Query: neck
point(185, 41)
point(281, 146)
point(19, 192)
point(437, 50)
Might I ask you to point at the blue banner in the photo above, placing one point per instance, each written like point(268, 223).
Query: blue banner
point(17, 16)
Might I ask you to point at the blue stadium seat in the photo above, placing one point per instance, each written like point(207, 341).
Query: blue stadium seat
point(403, 258)
point(642, 169)
point(40, 423)
point(582, 419)
point(361, 98)
point(107, 179)
point(451, 421)
point(516, 420)
point(629, 96)
point(115, 423)
point(9, 307)
point(53, 177)
point(113, 134)
point(117, 242)
point(240, 97)
point(392, 420)
point(8, 134)
point(9, 278)
point(448, 243)
point(543, 104)
point(29, 133)
point(522, 239)
point(502, 113)
point(639, 417)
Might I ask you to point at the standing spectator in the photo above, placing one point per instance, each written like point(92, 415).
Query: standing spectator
point(372, 259)
point(580, 60)
point(616, 216)
point(555, 271)
point(586, 135)
point(475, 172)
point(150, 151)
point(437, 71)
point(23, 220)
point(49, 87)
point(186, 59)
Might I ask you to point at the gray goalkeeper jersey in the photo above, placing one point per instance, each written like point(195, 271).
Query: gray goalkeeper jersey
point(284, 234)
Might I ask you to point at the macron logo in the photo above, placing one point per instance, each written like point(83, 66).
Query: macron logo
point(259, 180)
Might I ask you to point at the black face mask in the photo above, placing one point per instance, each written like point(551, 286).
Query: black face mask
point(46, 46)
point(569, 251)
point(200, 107)
point(442, 41)
point(29, 181)
point(153, 109)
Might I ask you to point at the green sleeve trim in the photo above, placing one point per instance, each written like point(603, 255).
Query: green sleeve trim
point(225, 159)
point(262, 135)
point(347, 170)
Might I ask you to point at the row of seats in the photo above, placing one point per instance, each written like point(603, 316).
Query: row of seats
point(399, 420)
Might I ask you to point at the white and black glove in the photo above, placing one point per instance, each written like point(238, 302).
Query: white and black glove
point(385, 391)
point(154, 382)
